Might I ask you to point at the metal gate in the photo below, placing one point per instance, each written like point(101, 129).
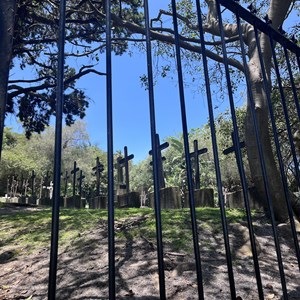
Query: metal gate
point(290, 56)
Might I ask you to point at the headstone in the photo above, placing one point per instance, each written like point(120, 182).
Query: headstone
point(202, 198)
point(236, 199)
point(98, 202)
point(195, 156)
point(169, 198)
point(131, 199)
point(73, 202)
point(158, 148)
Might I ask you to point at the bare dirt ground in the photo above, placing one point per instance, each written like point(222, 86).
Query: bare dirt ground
point(83, 268)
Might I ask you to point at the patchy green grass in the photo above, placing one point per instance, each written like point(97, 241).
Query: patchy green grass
point(29, 230)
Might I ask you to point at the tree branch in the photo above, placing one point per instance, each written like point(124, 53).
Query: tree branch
point(134, 28)
point(18, 90)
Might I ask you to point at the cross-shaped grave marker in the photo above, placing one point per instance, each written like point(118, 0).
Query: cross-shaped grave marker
point(124, 162)
point(74, 171)
point(160, 159)
point(98, 169)
point(14, 185)
point(80, 178)
point(234, 149)
point(195, 156)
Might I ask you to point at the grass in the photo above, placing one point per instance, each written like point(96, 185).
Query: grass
point(29, 230)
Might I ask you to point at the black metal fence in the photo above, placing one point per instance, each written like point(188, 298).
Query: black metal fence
point(289, 55)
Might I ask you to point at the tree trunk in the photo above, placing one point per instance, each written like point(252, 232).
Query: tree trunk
point(276, 13)
point(7, 16)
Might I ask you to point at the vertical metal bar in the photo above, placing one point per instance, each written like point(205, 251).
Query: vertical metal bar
point(215, 147)
point(154, 145)
point(110, 157)
point(187, 155)
point(57, 154)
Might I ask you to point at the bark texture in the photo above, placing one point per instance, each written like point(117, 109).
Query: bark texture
point(277, 12)
point(7, 16)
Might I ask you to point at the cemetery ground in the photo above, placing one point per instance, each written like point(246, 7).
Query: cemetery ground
point(83, 254)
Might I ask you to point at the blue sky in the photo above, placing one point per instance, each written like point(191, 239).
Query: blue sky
point(131, 104)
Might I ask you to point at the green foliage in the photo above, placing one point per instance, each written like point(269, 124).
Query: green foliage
point(21, 156)
point(35, 50)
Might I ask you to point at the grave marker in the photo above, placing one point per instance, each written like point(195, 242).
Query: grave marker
point(80, 178)
point(234, 149)
point(98, 169)
point(66, 183)
point(160, 159)
point(195, 156)
point(124, 162)
point(74, 171)
point(45, 185)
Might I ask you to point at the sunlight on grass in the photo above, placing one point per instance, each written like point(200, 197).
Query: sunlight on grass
point(29, 230)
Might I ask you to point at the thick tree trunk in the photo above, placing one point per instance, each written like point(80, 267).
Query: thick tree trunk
point(7, 16)
point(277, 12)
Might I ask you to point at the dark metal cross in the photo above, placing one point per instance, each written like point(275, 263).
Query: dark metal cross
point(234, 149)
point(80, 178)
point(74, 171)
point(195, 156)
point(98, 169)
point(124, 162)
point(160, 159)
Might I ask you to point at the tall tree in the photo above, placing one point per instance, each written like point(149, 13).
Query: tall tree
point(7, 17)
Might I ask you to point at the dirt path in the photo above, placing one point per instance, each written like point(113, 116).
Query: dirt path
point(83, 268)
